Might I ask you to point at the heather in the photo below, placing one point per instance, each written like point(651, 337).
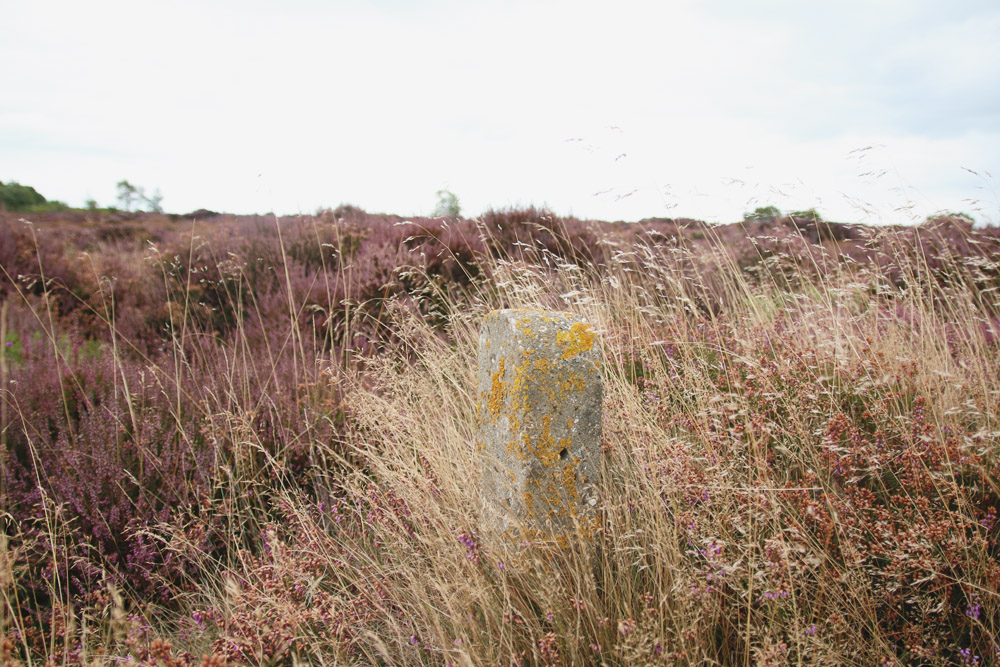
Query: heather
point(252, 438)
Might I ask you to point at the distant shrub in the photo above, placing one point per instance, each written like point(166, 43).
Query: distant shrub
point(808, 214)
point(17, 197)
point(762, 213)
point(347, 212)
point(49, 207)
point(949, 222)
point(447, 205)
point(540, 235)
point(202, 213)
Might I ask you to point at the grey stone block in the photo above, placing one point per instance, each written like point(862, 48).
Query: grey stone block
point(539, 424)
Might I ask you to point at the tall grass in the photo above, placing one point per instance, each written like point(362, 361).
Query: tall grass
point(799, 454)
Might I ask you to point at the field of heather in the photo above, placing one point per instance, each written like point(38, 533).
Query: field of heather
point(251, 440)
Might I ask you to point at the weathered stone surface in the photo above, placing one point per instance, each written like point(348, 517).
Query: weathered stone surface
point(539, 423)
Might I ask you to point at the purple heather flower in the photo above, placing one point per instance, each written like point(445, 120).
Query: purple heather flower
point(967, 657)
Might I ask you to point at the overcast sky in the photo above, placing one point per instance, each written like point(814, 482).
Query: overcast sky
point(868, 110)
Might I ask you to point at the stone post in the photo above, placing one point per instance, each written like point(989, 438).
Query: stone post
point(539, 424)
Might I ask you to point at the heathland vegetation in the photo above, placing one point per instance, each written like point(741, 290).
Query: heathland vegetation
point(252, 439)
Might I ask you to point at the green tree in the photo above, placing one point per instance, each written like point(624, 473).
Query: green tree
point(154, 200)
point(127, 194)
point(132, 195)
point(762, 213)
point(447, 204)
point(17, 197)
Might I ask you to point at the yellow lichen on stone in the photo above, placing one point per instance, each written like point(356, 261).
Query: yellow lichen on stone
point(578, 339)
point(515, 449)
point(498, 392)
point(574, 383)
point(545, 449)
point(523, 372)
point(569, 483)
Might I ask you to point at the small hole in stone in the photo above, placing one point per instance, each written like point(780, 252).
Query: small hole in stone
point(563, 453)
